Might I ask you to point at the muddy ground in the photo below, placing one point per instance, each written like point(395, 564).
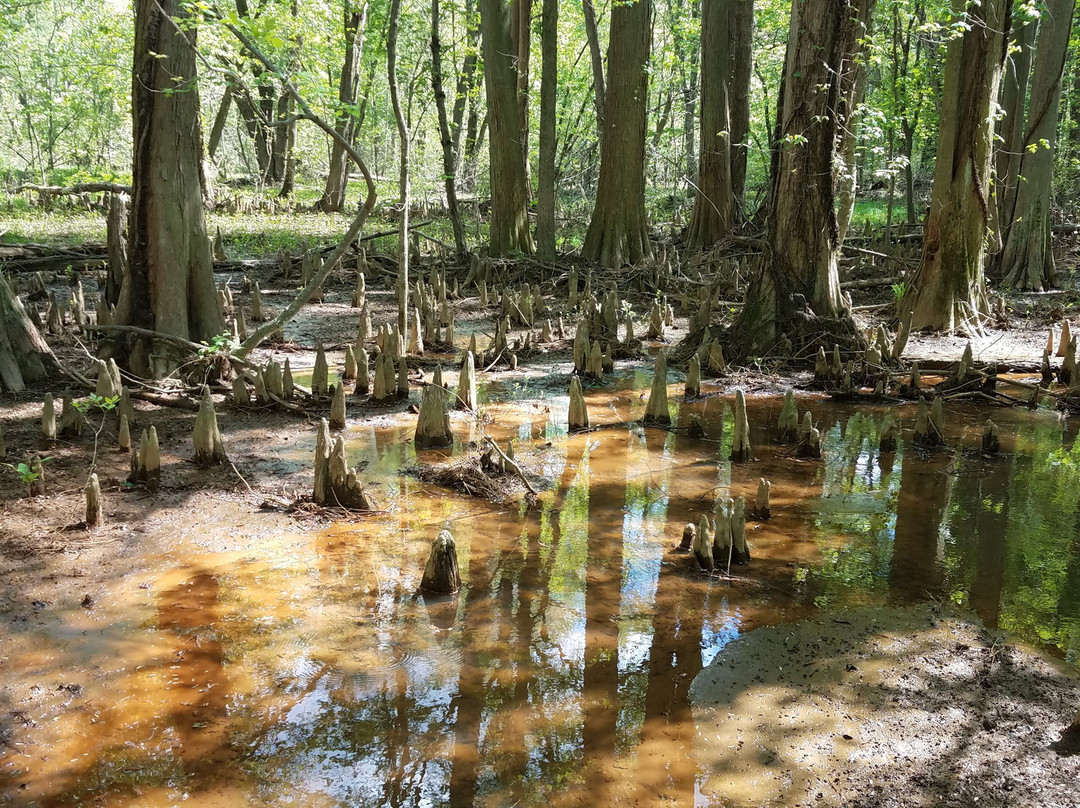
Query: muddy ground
point(886, 707)
point(50, 562)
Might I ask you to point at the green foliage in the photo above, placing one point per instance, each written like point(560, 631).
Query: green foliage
point(26, 472)
point(221, 344)
point(94, 401)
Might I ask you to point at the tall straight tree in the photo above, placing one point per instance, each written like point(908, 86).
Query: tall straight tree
point(404, 187)
point(714, 200)
point(169, 284)
point(445, 135)
point(813, 124)
point(1027, 261)
point(337, 177)
point(1010, 128)
point(618, 233)
point(949, 286)
point(509, 226)
point(549, 70)
point(741, 27)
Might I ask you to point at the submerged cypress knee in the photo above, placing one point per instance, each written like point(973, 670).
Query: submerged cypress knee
point(466, 391)
point(991, 438)
point(703, 546)
point(740, 445)
point(788, 423)
point(578, 418)
point(688, 535)
point(762, 504)
point(693, 378)
point(320, 375)
point(441, 575)
point(656, 410)
point(337, 407)
point(433, 422)
point(740, 552)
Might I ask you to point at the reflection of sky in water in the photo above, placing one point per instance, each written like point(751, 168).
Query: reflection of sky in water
point(362, 695)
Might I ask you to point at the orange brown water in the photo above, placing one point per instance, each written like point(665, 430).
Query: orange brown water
point(306, 671)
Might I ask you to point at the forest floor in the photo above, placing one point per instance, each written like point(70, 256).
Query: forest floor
point(50, 563)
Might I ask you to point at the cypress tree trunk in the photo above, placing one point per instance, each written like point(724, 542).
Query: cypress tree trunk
point(24, 355)
point(742, 68)
point(714, 200)
point(816, 100)
point(618, 233)
point(337, 178)
point(1027, 262)
point(170, 283)
point(509, 227)
point(949, 284)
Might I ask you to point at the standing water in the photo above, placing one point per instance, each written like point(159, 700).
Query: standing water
point(309, 672)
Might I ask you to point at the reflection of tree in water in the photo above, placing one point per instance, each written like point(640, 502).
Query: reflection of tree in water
point(1041, 573)
point(856, 517)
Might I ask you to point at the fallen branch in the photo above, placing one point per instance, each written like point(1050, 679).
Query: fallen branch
point(512, 465)
point(81, 188)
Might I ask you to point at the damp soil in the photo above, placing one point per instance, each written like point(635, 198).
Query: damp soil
point(214, 646)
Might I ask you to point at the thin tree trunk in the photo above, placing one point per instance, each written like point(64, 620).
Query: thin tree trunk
point(170, 283)
point(1027, 262)
point(545, 196)
point(509, 227)
point(948, 287)
point(618, 233)
point(449, 158)
point(596, 58)
point(1009, 151)
point(742, 68)
point(337, 177)
point(466, 83)
point(403, 171)
point(852, 90)
point(219, 122)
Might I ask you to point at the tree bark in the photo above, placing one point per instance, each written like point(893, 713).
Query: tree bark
point(852, 90)
point(618, 233)
point(520, 21)
point(24, 355)
point(596, 59)
point(169, 286)
point(220, 119)
point(403, 171)
point(466, 80)
point(449, 157)
point(509, 226)
point(741, 26)
point(1027, 261)
point(816, 99)
point(1014, 91)
point(714, 199)
point(949, 284)
point(545, 192)
point(337, 177)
